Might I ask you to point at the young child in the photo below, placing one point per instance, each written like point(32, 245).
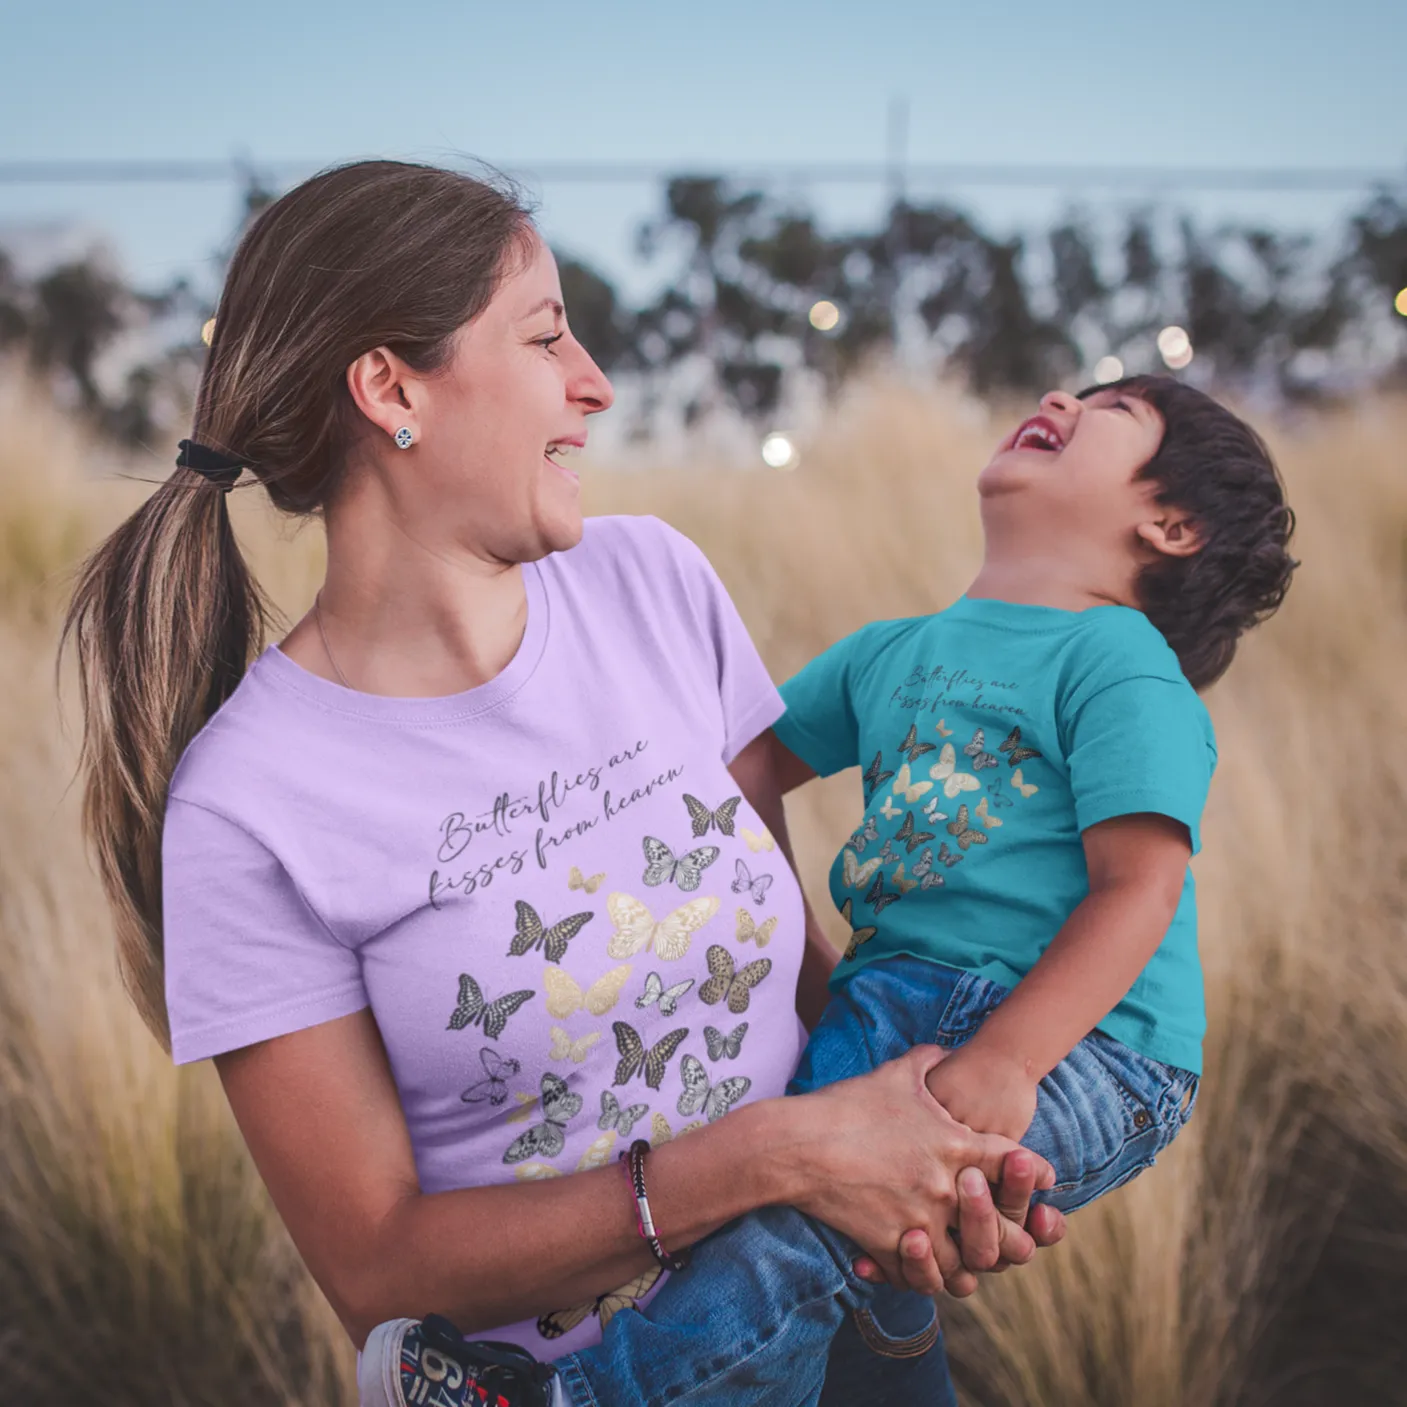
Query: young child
point(1035, 762)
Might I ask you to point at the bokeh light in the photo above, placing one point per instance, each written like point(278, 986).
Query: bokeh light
point(1177, 360)
point(1108, 369)
point(1400, 302)
point(778, 451)
point(824, 316)
point(1172, 343)
point(207, 333)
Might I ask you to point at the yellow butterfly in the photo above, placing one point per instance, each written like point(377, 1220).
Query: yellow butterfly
point(1027, 789)
point(856, 875)
point(858, 936)
point(596, 1156)
point(604, 1307)
point(944, 770)
point(758, 843)
point(523, 1114)
point(963, 831)
point(991, 822)
point(905, 786)
point(637, 928)
point(565, 1048)
point(902, 883)
point(577, 880)
point(660, 1131)
point(889, 810)
point(945, 732)
point(750, 930)
point(565, 996)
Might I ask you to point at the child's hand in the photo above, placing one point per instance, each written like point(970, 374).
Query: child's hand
point(985, 1092)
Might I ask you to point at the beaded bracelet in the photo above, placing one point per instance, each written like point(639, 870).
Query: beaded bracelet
point(634, 1163)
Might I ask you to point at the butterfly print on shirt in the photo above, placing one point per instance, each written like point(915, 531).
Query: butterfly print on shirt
point(498, 1070)
point(553, 941)
point(701, 817)
point(662, 867)
point(746, 883)
point(1015, 753)
point(911, 747)
point(977, 751)
point(473, 1010)
point(878, 898)
point(637, 929)
point(750, 931)
point(666, 997)
point(729, 983)
point(858, 936)
point(560, 1105)
point(577, 880)
point(911, 838)
point(963, 831)
point(874, 778)
point(622, 1120)
point(700, 1094)
point(604, 1307)
point(636, 1060)
point(862, 837)
point(565, 995)
point(722, 1047)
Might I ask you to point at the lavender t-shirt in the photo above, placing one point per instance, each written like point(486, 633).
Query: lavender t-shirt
point(570, 928)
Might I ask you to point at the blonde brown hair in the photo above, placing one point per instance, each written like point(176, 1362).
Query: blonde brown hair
point(166, 616)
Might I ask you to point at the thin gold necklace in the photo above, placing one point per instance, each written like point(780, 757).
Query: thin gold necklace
point(327, 649)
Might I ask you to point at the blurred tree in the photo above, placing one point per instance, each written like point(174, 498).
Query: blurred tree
point(78, 309)
point(14, 315)
point(601, 323)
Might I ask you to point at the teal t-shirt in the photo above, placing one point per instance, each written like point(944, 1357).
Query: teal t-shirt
point(991, 736)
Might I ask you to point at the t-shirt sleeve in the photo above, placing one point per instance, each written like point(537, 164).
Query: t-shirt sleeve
point(246, 958)
point(1143, 744)
point(820, 725)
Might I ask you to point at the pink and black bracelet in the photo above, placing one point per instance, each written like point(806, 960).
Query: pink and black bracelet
point(633, 1160)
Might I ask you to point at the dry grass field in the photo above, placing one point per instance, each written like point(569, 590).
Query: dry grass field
point(1264, 1261)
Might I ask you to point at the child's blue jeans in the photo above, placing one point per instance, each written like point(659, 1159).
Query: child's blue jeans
point(751, 1322)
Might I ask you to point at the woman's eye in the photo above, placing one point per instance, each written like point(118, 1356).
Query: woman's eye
point(546, 342)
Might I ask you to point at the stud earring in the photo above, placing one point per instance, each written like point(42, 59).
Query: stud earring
point(404, 437)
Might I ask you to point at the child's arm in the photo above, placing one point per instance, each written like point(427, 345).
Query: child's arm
point(1136, 868)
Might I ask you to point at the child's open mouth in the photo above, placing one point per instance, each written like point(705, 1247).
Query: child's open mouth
point(1039, 433)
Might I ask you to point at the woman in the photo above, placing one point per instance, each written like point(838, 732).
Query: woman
point(451, 883)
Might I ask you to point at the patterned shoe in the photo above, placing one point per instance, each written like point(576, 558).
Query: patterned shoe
point(428, 1363)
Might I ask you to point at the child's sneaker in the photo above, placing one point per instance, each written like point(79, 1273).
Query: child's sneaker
point(427, 1363)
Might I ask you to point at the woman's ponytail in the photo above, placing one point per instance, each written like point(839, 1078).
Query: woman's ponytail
point(165, 619)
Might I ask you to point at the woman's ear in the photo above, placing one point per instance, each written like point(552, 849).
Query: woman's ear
point(382, 387)
point(1172, 535)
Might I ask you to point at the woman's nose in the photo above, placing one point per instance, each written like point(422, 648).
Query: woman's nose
point(590, 387)
point(1060, 401)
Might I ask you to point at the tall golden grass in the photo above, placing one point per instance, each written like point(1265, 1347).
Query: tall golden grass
point(1260, 1262)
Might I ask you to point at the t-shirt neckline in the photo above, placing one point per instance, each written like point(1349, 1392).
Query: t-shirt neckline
point(278, 668)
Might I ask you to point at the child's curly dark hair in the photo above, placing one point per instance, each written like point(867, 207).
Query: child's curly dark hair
point(1214, 467)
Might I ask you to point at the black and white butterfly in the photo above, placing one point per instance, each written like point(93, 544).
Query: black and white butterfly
point(1015, 753)
point(635, 1059)
point(722, 1047)
point(933, 813)
point(661, 866)
point(729, 983)
point(878, 897)
point(499, 1070)
point(614, 1117)
point(977, 751)
point(947, 857)
point(924, 872)
point(911, 839)
point(547, 1139)
point(875, 778)
point(862, 837)
point(997, 793)
point(745, 882)
point(701, 818)
point(553, 941)
point(912, 748)
point(473, 1010)
point(667, 997)
point(888, 855)
point(699, 1093)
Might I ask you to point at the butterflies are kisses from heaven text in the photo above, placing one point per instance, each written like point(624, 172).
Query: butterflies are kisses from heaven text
point(950, 681)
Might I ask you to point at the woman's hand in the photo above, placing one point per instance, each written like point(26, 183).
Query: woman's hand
point(879, 1157)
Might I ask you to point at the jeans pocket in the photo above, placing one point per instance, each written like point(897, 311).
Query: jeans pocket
point(888, 1343)
point(972, 1001)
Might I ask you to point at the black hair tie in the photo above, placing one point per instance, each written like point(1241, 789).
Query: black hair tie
point(221, 469)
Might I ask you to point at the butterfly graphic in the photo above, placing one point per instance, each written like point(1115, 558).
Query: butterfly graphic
point(874, 778)
point(932, 812)
point(701, 818)
point(863, 835)
point(907, 788)
point(889, 810)
point(963, 831)
point(700, 1094)
point(604, 1307)
point(1027, 789)
point(565, 995)
point(614, 1117)
point(858, 936)
point(661, 866)
point(977, 751)
point(911, 839)
point(888, 855)
point(944, 770)
point(758, 843)
point(990, 821)
point(911, 747)
point(947, 856)
point(745, 882)
point(750, 931)
point(924, 872)
point(733, 985)
point(559, 1107)
point(854, 873)
point(901, 881)
point(637, 928)
point(994, 790)
point(553, 941)
point(526, 1104)
point(661, 1133)
point(473, 1010)
point(943, 730)
point(596, 1156)
point(499, 1070)
point(635, 1059)
point(1015, 753)
point(565, 1048)
point(724, 1047)
point(667, 997)
point(577, 880)
point(878, 898)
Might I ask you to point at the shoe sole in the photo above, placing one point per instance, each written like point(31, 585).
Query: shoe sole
point(379, 1372)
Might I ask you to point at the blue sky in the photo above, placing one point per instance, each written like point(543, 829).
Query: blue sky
point(1239, 82)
